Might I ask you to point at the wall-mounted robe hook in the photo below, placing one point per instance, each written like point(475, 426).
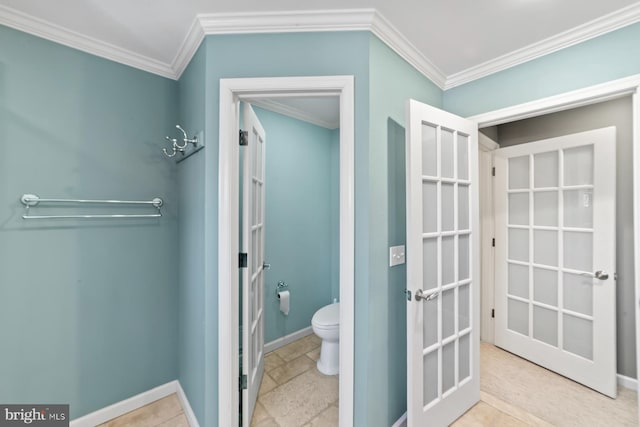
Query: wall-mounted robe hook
point(176, 147)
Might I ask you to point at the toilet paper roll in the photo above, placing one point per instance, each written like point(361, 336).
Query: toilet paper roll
point(284, 302)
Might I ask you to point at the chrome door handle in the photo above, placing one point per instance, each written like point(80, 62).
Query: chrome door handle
point(600, 275)
point(421, 296)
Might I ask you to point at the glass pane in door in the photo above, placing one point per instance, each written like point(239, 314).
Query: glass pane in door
point(578, 251)
point(518, 316)
point(463, 157)
point(545, 325)
point(448, 366)
point(518, 280)
point(545, 286)
point(545, 169)
point(448, 217)
point(578, 336)
point(448, 313)
point(431, 323)
point(464, 352)
point(430, 207)
point(430, 377)
point(578, 208)
point(519, 173)
point(429, 150)
point(578, 293)
point(446, 153)
point(430, 263)
point(578, 165)
point(545, 211)
point(519, 209)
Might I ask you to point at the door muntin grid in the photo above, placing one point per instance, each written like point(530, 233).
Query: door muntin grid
point(446, 239)
point(549, 247)
point(256, 297)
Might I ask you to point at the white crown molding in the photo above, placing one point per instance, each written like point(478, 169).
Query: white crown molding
point(306, 21)
point(46, 30)
point(605, 24)
point(407, 51)
point(187, 49)
point(289, 111)
point(287, 21)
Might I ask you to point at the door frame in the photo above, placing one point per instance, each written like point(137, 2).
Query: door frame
point(232, 91)
point(578, 98)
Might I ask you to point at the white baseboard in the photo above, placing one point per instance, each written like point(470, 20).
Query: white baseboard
point(138, 401)
point(186, 406)
point(287, 339)
point(627, 382)
point(402, 421)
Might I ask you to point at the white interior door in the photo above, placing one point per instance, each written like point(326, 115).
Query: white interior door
point(443, 344)
point(555, 255)
point(253, 275)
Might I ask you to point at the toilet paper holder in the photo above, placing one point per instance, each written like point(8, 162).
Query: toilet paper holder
point(281, 286)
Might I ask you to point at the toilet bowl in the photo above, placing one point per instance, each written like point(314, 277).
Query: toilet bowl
point(326, 325)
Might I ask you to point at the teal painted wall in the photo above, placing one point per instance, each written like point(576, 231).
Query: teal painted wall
point(392, 82)
point(191, 260)
point(608, 57)
point(299, 231)
point(269, 55)
point(87, 308)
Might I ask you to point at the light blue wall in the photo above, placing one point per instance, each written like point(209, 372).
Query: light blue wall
point(608, 57)
point(191, 261)
point(298, 224)
point(379, 380)
point(87, 308)
point(392, 82)
point(268, 55)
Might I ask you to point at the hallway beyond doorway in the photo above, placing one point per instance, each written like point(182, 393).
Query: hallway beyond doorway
point(541, 397)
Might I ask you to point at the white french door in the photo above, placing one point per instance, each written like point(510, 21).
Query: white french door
point(555, 255)
point(443, 322)
point(253, 276)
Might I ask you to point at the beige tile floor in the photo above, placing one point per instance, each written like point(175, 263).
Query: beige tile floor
point(514, 393)
point(293, 392)
point(165, 412)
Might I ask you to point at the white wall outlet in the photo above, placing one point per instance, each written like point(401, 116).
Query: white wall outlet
point(396, 255)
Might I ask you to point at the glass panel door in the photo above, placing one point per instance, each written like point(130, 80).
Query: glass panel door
point(253, 181)
point(442, 308)
point(548, 294)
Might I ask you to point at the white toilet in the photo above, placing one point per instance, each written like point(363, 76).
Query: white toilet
point(326, 325)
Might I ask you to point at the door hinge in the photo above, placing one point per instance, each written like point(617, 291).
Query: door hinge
point(242, 259)
point(493, 242)
point(493, 171)
point(493, 313)
point(244, 137)
point(242, 382)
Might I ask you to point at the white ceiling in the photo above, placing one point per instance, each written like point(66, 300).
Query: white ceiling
point(454, 35)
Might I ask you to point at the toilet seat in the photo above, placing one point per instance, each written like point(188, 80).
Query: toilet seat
point(327, 317)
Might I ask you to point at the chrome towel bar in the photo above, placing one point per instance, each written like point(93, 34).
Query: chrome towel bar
point(29, 200)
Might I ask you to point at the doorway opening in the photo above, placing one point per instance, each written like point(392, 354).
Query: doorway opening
point(232, 93)
point(290, 286)
point(563, 115)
